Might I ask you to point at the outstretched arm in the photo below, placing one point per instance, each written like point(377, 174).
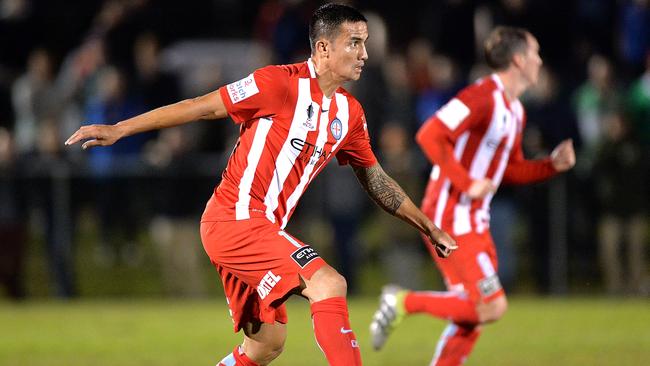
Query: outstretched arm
point(208, 106)
point(392, 198)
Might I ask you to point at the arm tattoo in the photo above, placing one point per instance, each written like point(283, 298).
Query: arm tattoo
point(380, 187)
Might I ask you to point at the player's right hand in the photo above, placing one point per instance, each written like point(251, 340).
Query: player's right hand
point(96, 135)
point(480, 188)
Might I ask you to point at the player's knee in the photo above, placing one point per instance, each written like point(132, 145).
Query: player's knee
point(334, 285)
point(264, 353)
point(493, 310)
point(326, 283)
point(271, 353)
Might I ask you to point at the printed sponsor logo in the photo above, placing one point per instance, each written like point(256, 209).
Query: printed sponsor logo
point(345, 331)
point(304, 255)
point(308, 152)
point(493, 144)
point(242, 89)
point(489, 285)
point(267, 283)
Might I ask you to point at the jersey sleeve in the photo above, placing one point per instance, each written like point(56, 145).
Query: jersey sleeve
point(438, 135)
point(260, 94)
point(357, 151)
point(522, 171)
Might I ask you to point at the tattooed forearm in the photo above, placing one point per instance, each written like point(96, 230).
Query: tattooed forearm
point(380, 187)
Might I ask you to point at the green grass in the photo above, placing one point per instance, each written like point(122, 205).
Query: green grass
point(157, 332)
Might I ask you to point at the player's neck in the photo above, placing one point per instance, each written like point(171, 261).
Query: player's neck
point(513, 85)
point(327, 80)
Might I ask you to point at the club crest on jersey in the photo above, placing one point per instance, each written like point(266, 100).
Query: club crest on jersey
point(336, 127)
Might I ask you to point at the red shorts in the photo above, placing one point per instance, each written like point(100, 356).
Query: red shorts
point(259, 265)
point(472, 268)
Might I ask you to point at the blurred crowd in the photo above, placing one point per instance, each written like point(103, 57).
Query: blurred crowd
point(69, 63)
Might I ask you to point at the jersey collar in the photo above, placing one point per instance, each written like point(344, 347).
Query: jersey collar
point(497, 80)
point(312, 68)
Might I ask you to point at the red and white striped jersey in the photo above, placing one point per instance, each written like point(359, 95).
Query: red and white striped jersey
point(477, 134)
point(289, 132)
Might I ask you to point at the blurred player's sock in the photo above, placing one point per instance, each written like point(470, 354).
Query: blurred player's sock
point(455, 345)
point(445, 305)
point(333, 333)
point(237, 358)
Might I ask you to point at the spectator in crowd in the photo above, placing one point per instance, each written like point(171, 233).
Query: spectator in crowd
point(401, 252)
point(37, 105)
point(13, 230)
point(118, 197)
point(620, 173)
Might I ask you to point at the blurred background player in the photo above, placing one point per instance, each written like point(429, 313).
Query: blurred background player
point(294, 119)
point(474, 144)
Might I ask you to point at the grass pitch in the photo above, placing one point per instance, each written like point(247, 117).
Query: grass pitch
point(535, 331)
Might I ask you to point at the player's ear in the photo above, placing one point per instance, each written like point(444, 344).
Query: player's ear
point(518, 60)
point(323, 47)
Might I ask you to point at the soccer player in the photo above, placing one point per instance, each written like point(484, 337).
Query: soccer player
point(293, 120)
point(474, 144)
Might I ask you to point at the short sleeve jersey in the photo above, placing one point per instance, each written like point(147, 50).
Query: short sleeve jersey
point(289, 131)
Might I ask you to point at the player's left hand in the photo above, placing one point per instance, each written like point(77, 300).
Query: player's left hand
point(563, 156)
point(443, 243)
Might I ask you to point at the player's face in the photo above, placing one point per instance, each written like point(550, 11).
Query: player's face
point(532, 61)
point(348, 52)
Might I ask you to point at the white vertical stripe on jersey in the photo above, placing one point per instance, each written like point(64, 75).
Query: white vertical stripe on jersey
point(482, 215)
point(253, 158)
point(480, 164)
point(322, 130)
point(344, 117)
point(343, 114)
point(459, 148)
point(286, 157)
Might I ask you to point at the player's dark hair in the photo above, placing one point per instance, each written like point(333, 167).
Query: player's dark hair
point(327, 19)
point(502, 44)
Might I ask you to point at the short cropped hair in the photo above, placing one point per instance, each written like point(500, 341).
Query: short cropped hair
point(502, 44)
point(326, 20)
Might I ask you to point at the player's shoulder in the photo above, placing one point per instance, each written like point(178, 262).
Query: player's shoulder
point(479, 93)
point(276, 73)
point(352, 101)
point(354, 106)
point(297, 70)
point(481, 88)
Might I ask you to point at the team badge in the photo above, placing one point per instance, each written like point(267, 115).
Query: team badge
point(336, 127)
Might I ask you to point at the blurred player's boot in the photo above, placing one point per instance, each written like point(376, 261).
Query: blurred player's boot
point(390, 313)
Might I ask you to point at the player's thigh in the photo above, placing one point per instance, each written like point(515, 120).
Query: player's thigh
point(472, 268)
point(260, 266)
